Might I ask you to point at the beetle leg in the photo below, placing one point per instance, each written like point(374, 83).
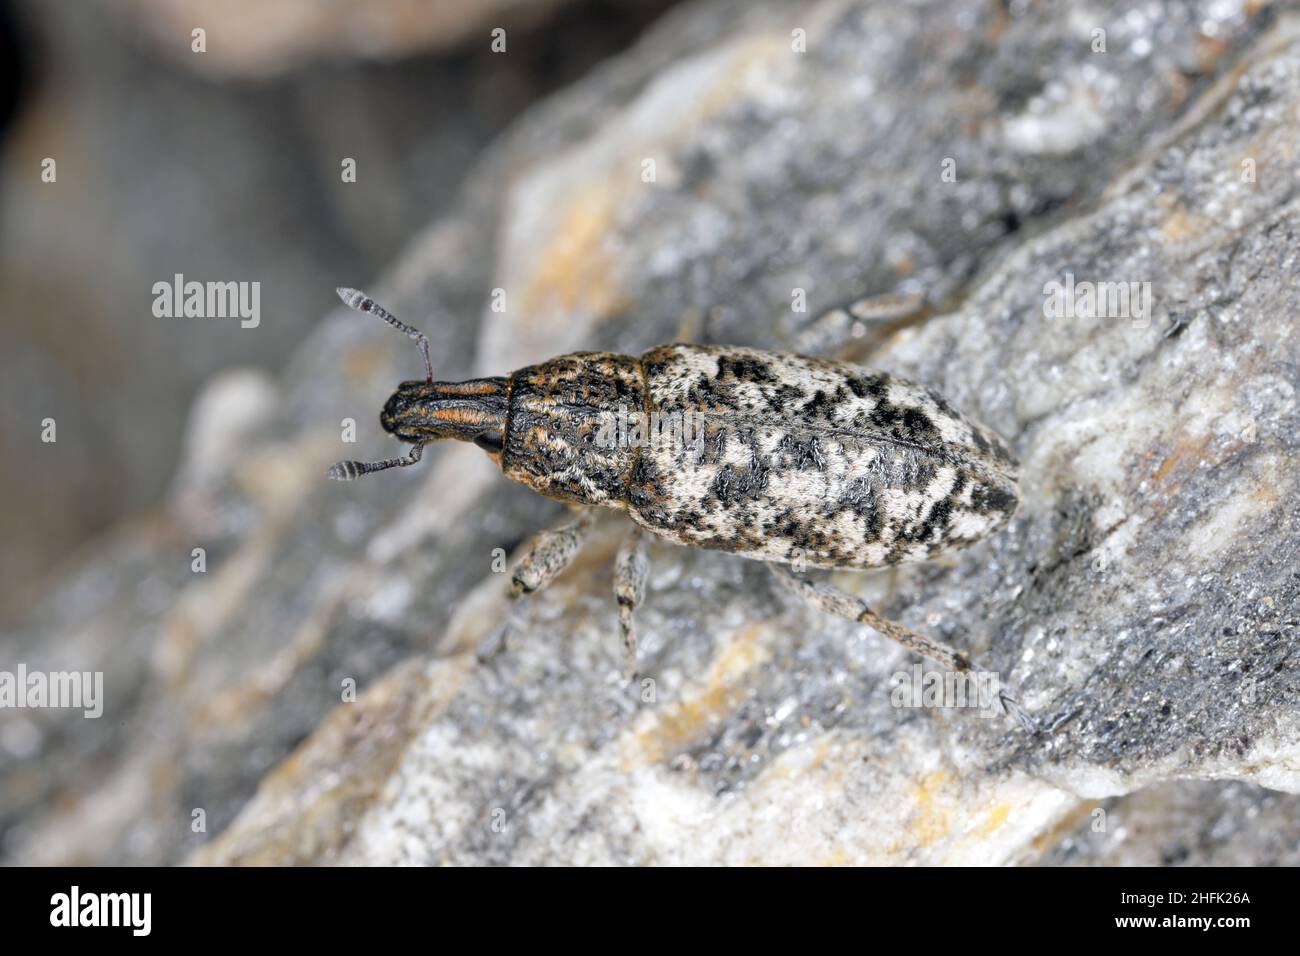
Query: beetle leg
point(549, 553)
point(836, 327)
point(495, 643)
point(832, 600)
point(836, 601)
point(629, 590)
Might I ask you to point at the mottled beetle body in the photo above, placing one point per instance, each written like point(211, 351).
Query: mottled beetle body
point(807, 459)
point(797, 461)
point(802, 459)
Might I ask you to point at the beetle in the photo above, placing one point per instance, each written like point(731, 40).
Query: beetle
point(793, 461)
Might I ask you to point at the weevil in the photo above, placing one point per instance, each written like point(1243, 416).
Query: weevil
point(796, 461)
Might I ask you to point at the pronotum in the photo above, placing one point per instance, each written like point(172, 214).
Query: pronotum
point(796, 461)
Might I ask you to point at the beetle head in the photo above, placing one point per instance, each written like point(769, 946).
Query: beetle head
point(428, 411)
point(423, 412)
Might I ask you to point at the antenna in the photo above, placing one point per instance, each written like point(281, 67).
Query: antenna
point(352, 470)
point(355, 299)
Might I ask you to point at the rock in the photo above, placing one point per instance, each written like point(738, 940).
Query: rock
point(1203, 823)
point(1144, 602)
point(226, 416)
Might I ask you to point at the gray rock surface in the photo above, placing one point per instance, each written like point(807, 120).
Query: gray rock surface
point(1145, 601)
point(1203, 823)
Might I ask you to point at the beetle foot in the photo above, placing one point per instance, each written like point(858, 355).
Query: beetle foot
point(495, 643)
point(1012, 706)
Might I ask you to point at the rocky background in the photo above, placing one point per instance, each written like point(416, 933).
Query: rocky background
point(1145, 602)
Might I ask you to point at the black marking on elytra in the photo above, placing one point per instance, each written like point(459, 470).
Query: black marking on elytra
point(904, 422)
point(733, 485)
point(803, 452)
point(935, 524)
point(819, 406)
point(745, 369)
point(991, 499)
point(869, 386)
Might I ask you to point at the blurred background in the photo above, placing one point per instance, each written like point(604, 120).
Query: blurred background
point(222, 165)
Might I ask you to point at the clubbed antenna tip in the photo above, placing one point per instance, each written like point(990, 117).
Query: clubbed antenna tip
point(356, 299)
point(345, 471)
